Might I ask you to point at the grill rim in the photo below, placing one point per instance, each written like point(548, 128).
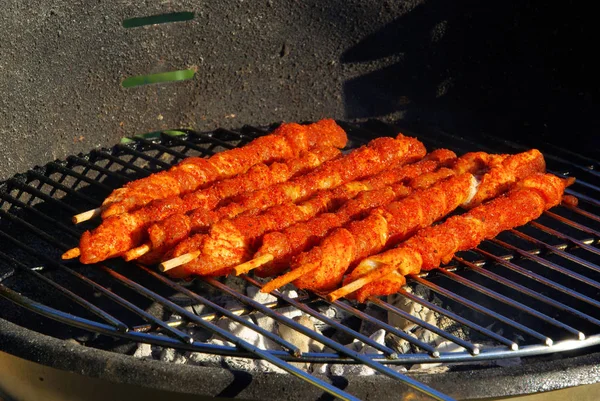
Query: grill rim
point(360, 129)
point(119, 368)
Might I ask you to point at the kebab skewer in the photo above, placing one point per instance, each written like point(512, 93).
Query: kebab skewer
point(383, 274)
point(232, 240)
point(250, 229)
point(227, 238)
point(192, 173)
point(278, 247)
point(161, 233)
point(119, 233)
point(323, 267)
point(360, 163)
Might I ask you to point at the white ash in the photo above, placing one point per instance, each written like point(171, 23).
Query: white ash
point(306, 344)
point(441, 344)
point(143, 351)
point(425, 314)
point(442, 347)
point(303, 342)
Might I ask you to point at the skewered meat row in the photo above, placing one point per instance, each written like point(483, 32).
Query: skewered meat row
point(229, 238)
point(281, 246)
point(119, 233)
point(231, 241)
point(388, 225)
point(181, 225)
point(365, 161)
point(384, 273)
point(278, 248)
point(192, 173)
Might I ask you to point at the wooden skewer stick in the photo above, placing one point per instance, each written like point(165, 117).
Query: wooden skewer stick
point(253, 264)
point(380, 271)
point(138, 252)
point(85, 216)
point(289, 277)
point(71, 254)
point(178, 261)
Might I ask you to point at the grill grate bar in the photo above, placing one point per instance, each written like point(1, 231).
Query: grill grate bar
point(482, 309)
point(143, 172)
point(486, 148)
point(41, 195)
point(529, 292)
point(242, 343)
point(583, 197)
point(42, 234)
point(222, 311)
point(579, 181)
point(472, 348)
point(132, 151)
point(582, 212)
point(212, 316)
point(164, 149)
point(573, 224)
point(63, 227)
point(326, 341)
point(520, 147)
point(583, 183)
point(109, 294)
point(555, 250)
point(72, 173)
point(189, 144)
point(255, 131)
point(395, 331)
point(168, 329)
point(209, 137)
point(511, 302)
point(298, 327)
point(560, 235)
point(244, 137)
point(549, 264)
point(67, 293)
point(591, 168)
point(93, 326)
point(58, 185)
point(459, 319)
point(540, 279)
point(78, 161)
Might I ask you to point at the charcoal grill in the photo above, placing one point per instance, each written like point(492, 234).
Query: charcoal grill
point(529, 293)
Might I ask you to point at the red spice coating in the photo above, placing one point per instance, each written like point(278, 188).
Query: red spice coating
point(384, 227)
point(438, 244)
point(363, 162)
point(242, 232)
point(570, 200)
point(192, 173)
point(300, 237)
point(178, 226)
point(259, 177)
point(506, 173)
point(119, 233)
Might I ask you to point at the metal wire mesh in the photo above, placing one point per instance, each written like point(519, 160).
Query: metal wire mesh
point(530, 291)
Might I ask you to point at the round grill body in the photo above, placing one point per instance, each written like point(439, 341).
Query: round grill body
point(528, 295)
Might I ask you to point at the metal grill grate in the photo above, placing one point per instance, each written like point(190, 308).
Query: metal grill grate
point(530, 291)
